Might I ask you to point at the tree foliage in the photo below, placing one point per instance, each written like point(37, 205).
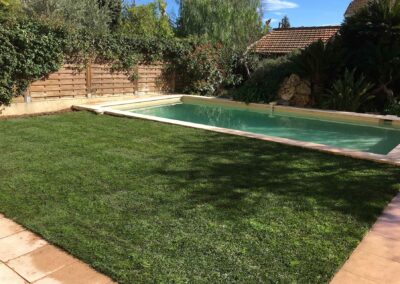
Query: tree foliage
point(149, 20)
point(8, 8)
point(28, 51)
point(371, 38)
point(284, 23)
point(86, 15)
point(263, 86)
point(319, 63)
point(115, 11)
point(236, 23)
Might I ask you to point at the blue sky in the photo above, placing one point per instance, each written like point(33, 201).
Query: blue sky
point(300, 12)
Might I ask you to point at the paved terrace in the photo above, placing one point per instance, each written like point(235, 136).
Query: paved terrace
point(377, 258)
point(26, 258)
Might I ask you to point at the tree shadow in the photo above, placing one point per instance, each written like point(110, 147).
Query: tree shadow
point(235, 175)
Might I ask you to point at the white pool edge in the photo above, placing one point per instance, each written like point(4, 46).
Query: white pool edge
point(392, 158)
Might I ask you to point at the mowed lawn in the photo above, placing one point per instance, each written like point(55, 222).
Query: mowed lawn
point(146, 202)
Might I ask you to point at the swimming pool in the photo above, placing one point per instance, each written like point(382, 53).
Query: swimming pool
point(357, 135)
point(366, 138)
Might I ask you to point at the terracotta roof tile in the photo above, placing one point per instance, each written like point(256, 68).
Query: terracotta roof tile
point(355, 6)
point(281, 41)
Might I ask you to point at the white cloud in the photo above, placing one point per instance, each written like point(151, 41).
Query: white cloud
point(274, 5)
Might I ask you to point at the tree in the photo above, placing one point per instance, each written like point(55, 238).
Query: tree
point(232, 22)
point(285, 23)
point(9, 8)
point(371, 38)
point(85, 15)
point(115, 10)
point(149, 20)
point(319, 63)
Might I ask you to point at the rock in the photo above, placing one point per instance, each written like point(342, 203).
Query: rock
point(300, 100)
point(295, 92)
point(303, 88)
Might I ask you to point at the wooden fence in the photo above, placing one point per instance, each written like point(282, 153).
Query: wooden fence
point(98, 81)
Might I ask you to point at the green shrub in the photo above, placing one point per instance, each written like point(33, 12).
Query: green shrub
point(9, 8)
point(319, 63)
point(198, 67)
point(263, 86)
point(349, 93)
point(371, 40)
point(29, 50)
point(393, 108)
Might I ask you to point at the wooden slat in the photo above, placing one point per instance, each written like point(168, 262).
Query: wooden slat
point(70, 82)
point(59, 82)
point(110, 80)
point(57, 93)
point(57, 88)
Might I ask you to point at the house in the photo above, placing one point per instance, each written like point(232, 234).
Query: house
point(283, 41)
point(355, 6)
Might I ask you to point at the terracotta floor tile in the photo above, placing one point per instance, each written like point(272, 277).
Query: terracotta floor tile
point(344, 277)
point(41, 262)
point(373, 267)
point(8, 228)
point(393, 209)
point(7, 276)
point(76, 273)
point(387, 228)
point(19, 244)
point(379, 245)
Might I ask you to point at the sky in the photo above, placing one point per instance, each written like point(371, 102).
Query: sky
point(300, 12)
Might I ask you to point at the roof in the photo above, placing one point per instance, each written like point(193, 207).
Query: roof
point(355, 6)
point(282, 41)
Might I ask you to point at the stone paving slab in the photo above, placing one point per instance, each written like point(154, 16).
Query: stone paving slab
point(377, 258)
point(9, 228)
point(40, 263)
point(25, 258)
point(19, 244)
point(8, 276)
point(76, 273)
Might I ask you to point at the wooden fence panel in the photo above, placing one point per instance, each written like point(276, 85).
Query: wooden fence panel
point(99, 80)
point(105, 82)
point(66, 82)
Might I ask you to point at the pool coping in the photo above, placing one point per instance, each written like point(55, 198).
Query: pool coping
point(392, 158)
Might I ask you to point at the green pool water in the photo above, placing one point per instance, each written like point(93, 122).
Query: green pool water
point(378, 140)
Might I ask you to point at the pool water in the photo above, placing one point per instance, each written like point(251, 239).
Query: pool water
point(373, 139)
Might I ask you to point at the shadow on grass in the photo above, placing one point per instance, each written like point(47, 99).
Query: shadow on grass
point(235, 177)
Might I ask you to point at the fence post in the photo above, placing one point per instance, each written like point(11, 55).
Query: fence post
point(27, 96)
point(137, 80)
point(89, 80)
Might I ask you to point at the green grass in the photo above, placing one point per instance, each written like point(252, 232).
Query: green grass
point(145, 202)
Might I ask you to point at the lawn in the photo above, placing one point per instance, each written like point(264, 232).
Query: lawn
point(146, 202)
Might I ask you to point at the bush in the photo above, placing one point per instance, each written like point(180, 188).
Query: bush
point(371, 38)
point(393, 108)
point(198, 66)
point(29, 50)
point(349, 93)
point(319, 63)
point(263, 86)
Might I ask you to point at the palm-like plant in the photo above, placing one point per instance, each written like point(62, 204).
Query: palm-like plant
point(349, 93)
point(372, 39)
point(318, 63)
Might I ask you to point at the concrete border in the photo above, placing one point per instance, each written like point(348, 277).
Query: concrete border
point(392, 158)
